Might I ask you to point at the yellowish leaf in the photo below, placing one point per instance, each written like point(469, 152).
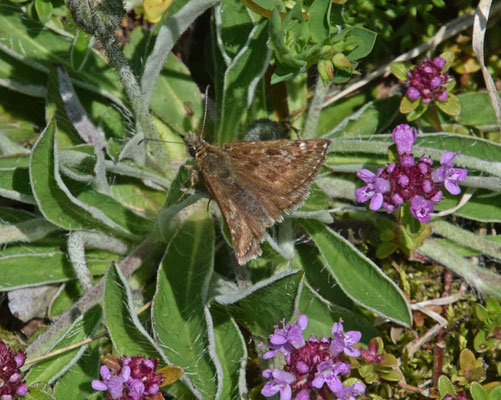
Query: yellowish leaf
point(154, 9)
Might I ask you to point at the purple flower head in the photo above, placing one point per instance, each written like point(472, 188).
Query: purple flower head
point(374, 189)
point(285, 339)
point(328, 372)
point(113, 384)
point(11, 384)
point(280, 382)
point(449, 175)
point(131, 378)
point(344, 341)
point(350, 392)
point(408, 181)
point(312, 369)
point(404, 137)
point(421, 208)
point(426, 81)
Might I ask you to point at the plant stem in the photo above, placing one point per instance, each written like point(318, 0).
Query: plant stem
point(484, 280)
point(315, 109)
point(434, 118)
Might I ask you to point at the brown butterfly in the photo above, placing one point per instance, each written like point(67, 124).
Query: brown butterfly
point(253, 182)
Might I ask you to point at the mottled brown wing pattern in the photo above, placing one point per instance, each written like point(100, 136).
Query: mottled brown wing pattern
point(253, 182)
point(246, 233)
point(283, 170)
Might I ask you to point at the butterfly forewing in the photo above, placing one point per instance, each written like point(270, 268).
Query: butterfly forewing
point(253, 182)
point(281, 169)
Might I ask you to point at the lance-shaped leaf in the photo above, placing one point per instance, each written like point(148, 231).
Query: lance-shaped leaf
point(357, 275)
point(55, 201)
point(126, 332)
point(231, 352)
point(240, 82)
point(181, 321)
point(21, 268)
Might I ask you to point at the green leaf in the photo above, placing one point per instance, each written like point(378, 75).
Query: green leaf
point(15, 185)
point(400, 69)
point(343, 119)
point(478, 392)
point(451, 107)
point(9, 216)
point(56, 109)
point(40, 267)
point(483, 206)
point(322, 314)
point(240, 79)
point(319, 24)
point(357, 275)
point(417, 112)
point(180, 317)
point(126, 332)
point(446, 387)
point(476, 109)
point(37, 393)
point(449, 57)
point(50, 369)
point(234, 26)
point(55, 201)
point(45, 48)
point(231, 352)
point(176, 98)
point(44, 10)
point(495, 394)
point(70, 293)
point(76, 382)
point(407, 105)
point(265, 304)
point(364, 40)
point(309, 259)
point(81, 49)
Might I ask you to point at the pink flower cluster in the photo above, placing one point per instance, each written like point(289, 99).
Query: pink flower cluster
point(407, 180)
point(426, 81)
point(11, 384)
point(312, 366)
point(132, 378)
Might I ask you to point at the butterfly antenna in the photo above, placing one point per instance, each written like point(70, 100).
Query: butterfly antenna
point(205, 110)
point(144, 140)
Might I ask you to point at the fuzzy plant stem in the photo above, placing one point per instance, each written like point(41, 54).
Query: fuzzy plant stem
point(102, 19)
point(315, 109)
point(78, 241)
point(484, 280)
point(119, 62)
point(76, 252)
point(465, 238)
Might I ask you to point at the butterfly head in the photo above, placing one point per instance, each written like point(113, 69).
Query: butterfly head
point(193, 143)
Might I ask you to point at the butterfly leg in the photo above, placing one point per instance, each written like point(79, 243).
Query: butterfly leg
point(192, 180)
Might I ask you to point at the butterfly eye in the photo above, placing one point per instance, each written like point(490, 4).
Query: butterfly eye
point(193, 151)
